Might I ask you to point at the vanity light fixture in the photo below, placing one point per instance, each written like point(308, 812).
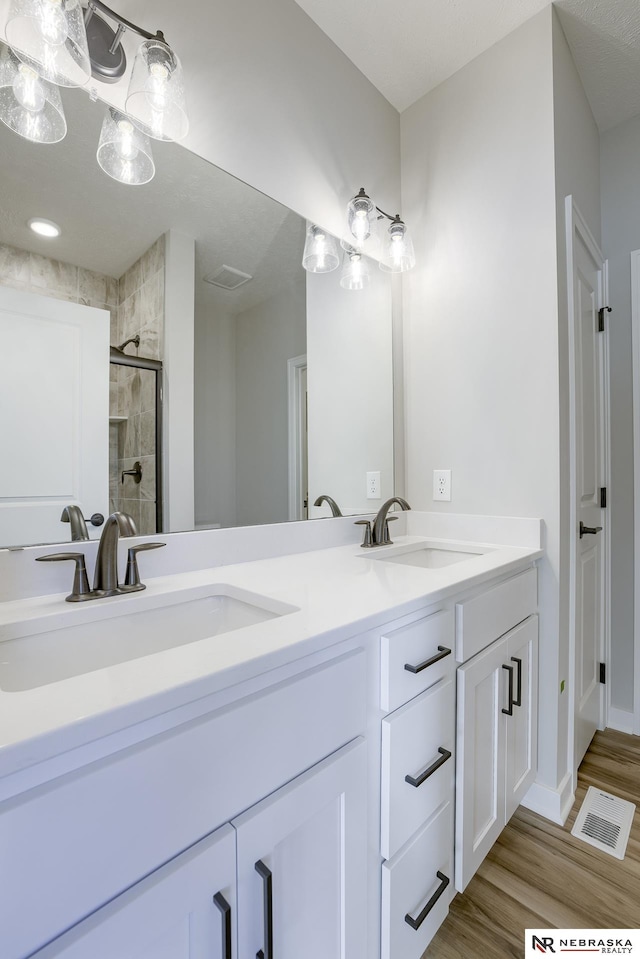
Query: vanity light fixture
point(320, 250)
point(355, 271)
point(44, 227)
point(397, 254)
point(124, 152)
point(55, 43)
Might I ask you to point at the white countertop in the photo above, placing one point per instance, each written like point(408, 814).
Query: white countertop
point(337, 593)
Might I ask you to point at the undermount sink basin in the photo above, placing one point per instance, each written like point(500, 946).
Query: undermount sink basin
point(123, 634)
point(432, 557)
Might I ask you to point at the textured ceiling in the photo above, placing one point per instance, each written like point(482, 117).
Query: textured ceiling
point(408, 47)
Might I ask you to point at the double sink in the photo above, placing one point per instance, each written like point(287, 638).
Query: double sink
point(133, 627)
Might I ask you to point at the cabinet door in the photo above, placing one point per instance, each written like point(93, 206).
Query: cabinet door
point(522, 726)
point(302, 867)
point(480, 771)
point(184, 910)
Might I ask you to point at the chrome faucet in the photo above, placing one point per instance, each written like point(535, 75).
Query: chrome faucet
point(105, 578)
point(335, 509)
point(378, 535)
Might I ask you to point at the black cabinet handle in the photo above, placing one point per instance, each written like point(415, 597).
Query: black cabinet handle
point(518, 700)
point(442, 652)
point(225, 910)
point(429, 770)
point(509, 710)
point(424, 912)
point(267, 891)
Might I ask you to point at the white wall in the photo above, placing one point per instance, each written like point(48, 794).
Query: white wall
point(215, 414)
point(273, 101)
point(481, 312)
point(577, 166)
point(350, 384)
point(620, 149)
point(267, 336)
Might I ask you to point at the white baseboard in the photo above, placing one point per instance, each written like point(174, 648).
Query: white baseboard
point(554, 804)
point(620, 719)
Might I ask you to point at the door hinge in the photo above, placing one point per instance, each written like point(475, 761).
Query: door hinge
point(601, 313)
point(603, 673)
point(603, 497)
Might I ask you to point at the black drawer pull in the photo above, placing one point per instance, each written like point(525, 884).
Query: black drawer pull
point(266, 874)
point(429, 770)
point(424, 912)
point(518, 700)
point(509, 710)
point(225, 910)
point(442, 652)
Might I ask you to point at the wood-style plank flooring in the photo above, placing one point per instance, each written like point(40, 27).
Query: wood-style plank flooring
point(539, 876)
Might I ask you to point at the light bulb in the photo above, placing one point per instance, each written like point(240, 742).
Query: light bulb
point(126, 146)
point(399, 255)
point(53, 23)
point(359, 213)
point(28, 89)
point(355, 273)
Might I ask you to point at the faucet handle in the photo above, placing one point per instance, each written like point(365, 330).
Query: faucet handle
point(367, 542)
point(386, 539)
point(80, 590)
point(132, 577)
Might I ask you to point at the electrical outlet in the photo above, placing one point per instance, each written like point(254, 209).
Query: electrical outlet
point(442, 485)
point(373, 485)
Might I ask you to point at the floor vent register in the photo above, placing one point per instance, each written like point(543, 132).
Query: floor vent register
point(604, 821)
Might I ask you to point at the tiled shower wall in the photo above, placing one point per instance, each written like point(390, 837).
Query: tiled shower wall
point(140, 312)
point(136, 305)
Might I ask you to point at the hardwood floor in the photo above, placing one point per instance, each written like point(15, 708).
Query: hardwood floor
point(539, 876)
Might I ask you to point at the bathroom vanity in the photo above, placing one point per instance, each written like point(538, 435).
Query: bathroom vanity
point(301, 778)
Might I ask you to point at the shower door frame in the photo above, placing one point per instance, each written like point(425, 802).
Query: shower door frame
point(117, 358)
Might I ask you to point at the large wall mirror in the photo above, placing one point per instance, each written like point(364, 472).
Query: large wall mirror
point(185, 294)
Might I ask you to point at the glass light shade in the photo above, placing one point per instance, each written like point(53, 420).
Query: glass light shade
point(124, 152)
point(360, 214)
point(320, 251)
point(355, 271)
point(29, 105)
point(398, 254)
point(50, 36)
point(156, 98)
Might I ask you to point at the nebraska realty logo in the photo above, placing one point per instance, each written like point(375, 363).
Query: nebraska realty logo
point(582, 942)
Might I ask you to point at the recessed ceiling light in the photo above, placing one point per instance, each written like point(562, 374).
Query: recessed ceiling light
point(44, 227)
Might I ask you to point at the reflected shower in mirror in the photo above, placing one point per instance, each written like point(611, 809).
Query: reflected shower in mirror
point(276, 384)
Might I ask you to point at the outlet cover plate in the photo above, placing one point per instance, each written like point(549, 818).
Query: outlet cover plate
point(442, 485)
point(373, 484)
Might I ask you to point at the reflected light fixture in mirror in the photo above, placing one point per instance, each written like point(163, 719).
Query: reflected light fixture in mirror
point(29, 105)
point(320, 251)
point(124, 152)
point(355, 271)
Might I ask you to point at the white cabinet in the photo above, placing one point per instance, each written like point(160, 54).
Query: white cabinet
point(417, 766)
point(298, 860)
point(302, 865)
point(496, 742)
point(184, 910)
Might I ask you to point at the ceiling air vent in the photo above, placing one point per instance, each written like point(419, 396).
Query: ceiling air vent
point(228, 278)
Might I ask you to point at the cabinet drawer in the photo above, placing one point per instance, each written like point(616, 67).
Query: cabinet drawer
point(417, 741)
point(418, 646)
point(483, 618)
point(417, 882)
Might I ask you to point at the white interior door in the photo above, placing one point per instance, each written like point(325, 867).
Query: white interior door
point(54, 415)
point(586, 267)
